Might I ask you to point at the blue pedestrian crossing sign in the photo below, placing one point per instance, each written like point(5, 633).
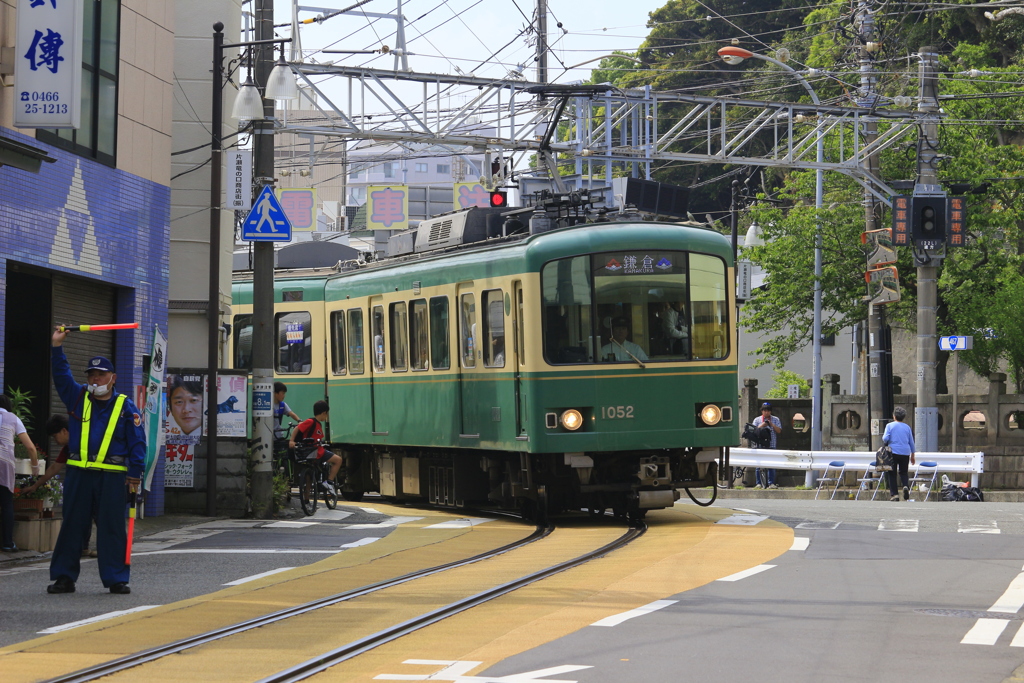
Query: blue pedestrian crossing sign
point(267, 221)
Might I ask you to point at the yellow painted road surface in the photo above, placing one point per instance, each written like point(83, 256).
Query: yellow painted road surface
point(682, 549)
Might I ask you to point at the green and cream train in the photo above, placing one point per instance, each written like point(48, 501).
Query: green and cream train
point(492, 372)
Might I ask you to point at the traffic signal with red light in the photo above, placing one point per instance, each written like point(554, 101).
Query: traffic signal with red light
point(499, 199)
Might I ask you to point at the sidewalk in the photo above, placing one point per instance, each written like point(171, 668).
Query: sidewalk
point(848, 493)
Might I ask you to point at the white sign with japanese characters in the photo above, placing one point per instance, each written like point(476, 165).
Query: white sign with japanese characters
point(238, 170)
point(48, 64)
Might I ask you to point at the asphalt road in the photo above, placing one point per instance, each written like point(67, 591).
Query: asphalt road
point(939, 599)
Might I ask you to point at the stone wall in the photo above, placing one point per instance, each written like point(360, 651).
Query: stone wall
point(232, 457)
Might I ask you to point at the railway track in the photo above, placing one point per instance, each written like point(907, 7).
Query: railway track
point(361, 645)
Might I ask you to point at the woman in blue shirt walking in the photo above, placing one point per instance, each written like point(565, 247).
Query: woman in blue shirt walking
point(900, 438)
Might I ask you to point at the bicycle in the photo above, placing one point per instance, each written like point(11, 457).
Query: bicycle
point(284, 458)
point(312, 474)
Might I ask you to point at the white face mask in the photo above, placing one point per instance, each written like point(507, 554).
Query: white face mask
point(100, 389)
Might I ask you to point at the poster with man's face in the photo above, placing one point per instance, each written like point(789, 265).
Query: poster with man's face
point(184, 420)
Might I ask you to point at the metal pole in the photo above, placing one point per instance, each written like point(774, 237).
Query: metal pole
point(955, 422)
point(926, 421)
point(263, 332)
point(213, 300)
point(542, 41)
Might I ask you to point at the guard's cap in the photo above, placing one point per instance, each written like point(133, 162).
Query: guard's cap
point(620, 322)
point(99, 363)
point(767, 405)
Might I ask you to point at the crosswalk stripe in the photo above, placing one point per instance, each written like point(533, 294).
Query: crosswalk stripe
point(239, 582)
point(800, 543)
point(899, 525)
point(747, 572)
point(985, 632)
point(1012, 600)
point(617, 619)
point(1018, 640)
point(989, 527)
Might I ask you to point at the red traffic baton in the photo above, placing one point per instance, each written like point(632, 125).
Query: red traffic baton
point(132, 497)
point(99, 328)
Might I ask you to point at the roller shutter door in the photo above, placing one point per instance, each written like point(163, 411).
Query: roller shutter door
point(78, 301)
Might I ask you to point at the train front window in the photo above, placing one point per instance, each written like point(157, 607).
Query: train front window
point(635, 307)
point(242, 356)
point(294, 336)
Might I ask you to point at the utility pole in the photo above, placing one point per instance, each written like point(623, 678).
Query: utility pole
point(879, 400)
point(542, 41)
point(263, 332)
point(926, 414)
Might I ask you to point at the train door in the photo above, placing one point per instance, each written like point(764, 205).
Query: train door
point(378, 365)
point(468, 341)
point(519, 355)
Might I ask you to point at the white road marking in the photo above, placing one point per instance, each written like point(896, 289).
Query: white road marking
point(818, 525)
point(743, 520)
point(456, 671)
point(288, 525)
point(331, 515)
point(371, 511)
point(20, 570)
point(617, 619)
point(247, 579)
point(747, 572)
point(991, 527)
point(800, 543)
point(1018, 640)
point(899, 525)
point(1012, 600)
point(93, 620)
point(239, 551)
point(362, 541)
point(985, 632)
point(749, 512)
point(394, 521)
point(458, 523)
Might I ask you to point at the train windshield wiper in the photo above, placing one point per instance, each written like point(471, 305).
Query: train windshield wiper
point(638, 361)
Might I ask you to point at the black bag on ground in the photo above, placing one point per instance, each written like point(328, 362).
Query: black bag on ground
point(952, 492)
point(884, 459)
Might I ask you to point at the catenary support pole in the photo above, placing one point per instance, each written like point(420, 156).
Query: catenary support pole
point(213, 300)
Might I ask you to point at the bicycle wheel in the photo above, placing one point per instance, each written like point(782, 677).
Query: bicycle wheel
point(307, 490)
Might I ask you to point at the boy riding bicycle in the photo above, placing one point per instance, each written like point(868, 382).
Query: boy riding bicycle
point(313, 429)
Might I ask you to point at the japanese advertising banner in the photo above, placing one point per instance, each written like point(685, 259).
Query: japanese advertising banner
point(299, 205)
point(183, 428)
point(48, 64)
point(153, 405)
point(231, 405)
point(467, 195)
point(387, 207)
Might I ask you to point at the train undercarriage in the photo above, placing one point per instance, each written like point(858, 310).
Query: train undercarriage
point(626, 483)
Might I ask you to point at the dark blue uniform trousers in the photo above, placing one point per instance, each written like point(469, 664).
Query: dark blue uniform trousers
point(87, 494)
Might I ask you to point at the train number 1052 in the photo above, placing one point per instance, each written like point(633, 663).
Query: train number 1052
point(617, 412)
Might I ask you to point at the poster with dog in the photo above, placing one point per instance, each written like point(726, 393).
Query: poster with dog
point(231, 405)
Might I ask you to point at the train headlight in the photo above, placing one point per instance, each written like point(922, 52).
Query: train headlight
point(711, 415)
point(572, 420)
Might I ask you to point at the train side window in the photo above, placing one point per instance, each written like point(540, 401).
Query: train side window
point(294, 339)
point(242, 352)
point(439, 357)
point(467, 330)
point(494, 328)
point(338, 342)
point(377, 325)
point(356, 362)
point(419, 348)
point(399, 336)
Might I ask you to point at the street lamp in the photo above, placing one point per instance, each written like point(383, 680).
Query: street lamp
point(248, 107)
point(733, 55)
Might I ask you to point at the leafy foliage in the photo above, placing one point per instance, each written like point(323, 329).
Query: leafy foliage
point(781, 380)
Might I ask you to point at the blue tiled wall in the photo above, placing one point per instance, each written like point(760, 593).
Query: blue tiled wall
point(83, 218)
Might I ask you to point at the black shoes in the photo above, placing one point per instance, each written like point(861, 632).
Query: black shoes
point(62, 585)
point(9, 549)
point(120, 589)
point(906, 493)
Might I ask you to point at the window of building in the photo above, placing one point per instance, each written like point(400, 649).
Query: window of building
point(338, 342)
point(494, 329)
point(444, 168)
point(399, 335)
point(356, 362)
point(294, 340)
point(241, 330)
point(96, 138)
point(377, 324)
point(389, 169)
point(421, 168)
point(419, 336)
point(439, 356)
point(355, 175)
point(467, 330)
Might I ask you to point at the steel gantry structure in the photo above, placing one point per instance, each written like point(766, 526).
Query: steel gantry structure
point(606, 126)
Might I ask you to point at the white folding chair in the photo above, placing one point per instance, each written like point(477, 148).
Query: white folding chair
point(926, 472)
point(867, 481)
point(835, 468)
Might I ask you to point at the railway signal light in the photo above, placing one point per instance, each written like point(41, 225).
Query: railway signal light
point(499, 199)
point(929, 221)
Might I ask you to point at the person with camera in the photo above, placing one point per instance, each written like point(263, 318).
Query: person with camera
point(768, 428)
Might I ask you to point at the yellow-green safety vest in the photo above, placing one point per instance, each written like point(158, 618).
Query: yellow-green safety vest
point(108, 436)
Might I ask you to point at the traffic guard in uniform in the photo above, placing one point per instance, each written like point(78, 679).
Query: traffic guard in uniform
point(108, 453)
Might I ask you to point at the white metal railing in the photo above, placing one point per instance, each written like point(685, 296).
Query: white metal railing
point(966, 463)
